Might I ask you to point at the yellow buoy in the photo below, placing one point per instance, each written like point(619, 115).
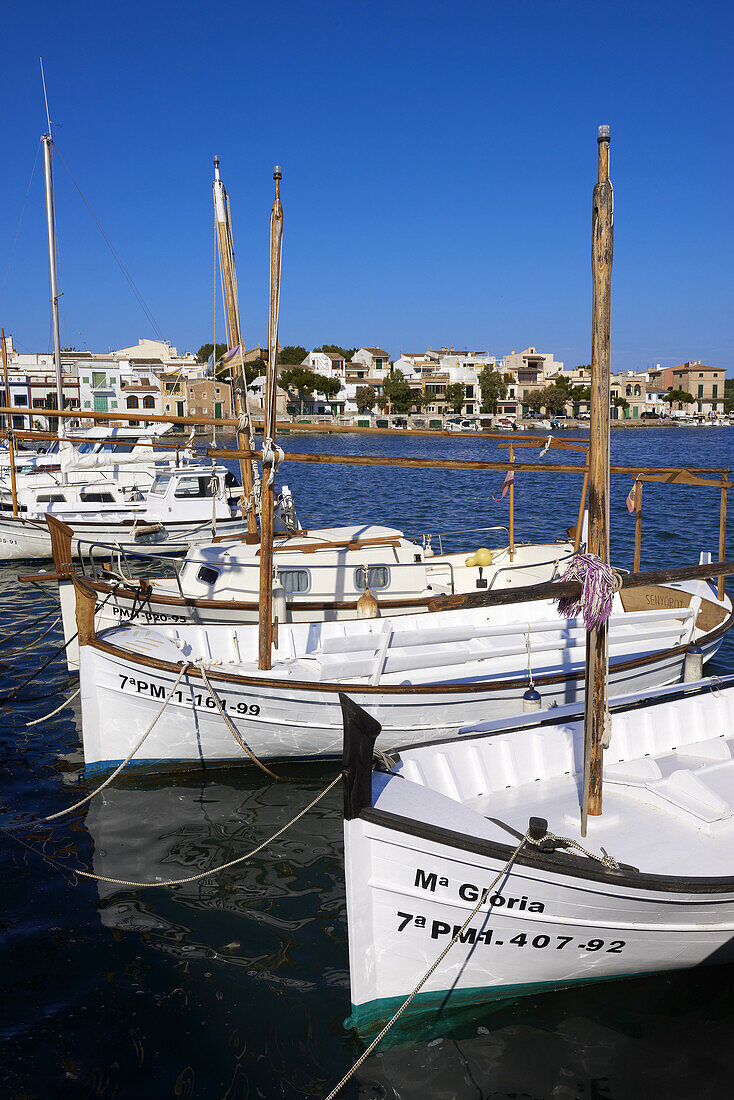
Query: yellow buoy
point(470, 562)
point(483, 556)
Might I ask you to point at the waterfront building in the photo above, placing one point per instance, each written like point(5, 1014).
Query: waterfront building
point(704, 383)
point(630, 386)
point(208, 397)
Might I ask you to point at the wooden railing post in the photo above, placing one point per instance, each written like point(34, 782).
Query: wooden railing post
point(512, 505)
point(722, 534)
point(638, 526)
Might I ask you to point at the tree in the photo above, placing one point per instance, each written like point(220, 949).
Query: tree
point(492, 387)
point(381, 402)
point(292, 354)
point(455, 396)
point(681, 396)
point(307, 382)
point(551, 398)
point(334, 349)
point(398, 390)
point(620, 402)
point(365, 398)
point(204, 353)
point(420, 399)
point(728, 394)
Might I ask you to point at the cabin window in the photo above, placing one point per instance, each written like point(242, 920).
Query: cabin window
point(295, 580)
point(378, 576)
point(98, 498)
point(190, 487)
point(51, 498)
point(160, 485)
point(207, 575)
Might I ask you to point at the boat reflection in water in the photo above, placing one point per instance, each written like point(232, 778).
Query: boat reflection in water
point(258, 914)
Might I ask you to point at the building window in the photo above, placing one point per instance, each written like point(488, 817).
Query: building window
point(85, 381)
point(637, 391)
point(715, 392)
point(98, 378)
point(700, 394)
point(19, 400)
point(132, 402)
point(149, 402)
point(469, 391)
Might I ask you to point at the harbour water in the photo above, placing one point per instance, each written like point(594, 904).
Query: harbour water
point(237, 986)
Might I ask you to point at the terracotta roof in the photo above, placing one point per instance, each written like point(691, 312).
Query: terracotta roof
point(375, 351)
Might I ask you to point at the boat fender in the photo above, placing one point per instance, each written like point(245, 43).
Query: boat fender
point(531, 700)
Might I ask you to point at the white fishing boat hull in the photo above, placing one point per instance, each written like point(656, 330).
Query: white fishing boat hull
point(281, 718)
point(398, 926)
point(29, 539)
point(423, 846)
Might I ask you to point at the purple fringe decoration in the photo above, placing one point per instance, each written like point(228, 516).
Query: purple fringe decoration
point(597, 592)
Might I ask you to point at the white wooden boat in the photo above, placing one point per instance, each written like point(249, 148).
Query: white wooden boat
point(421, 676)
point(425, 842)
point(182, 506)
point(322, 575)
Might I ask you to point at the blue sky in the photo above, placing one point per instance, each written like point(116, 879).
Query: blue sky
point(438, 162)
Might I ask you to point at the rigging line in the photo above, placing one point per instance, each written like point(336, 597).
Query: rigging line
point(120, 264)
point(20, 222)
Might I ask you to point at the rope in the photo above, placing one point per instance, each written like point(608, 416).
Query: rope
point(23, 648)
point(20, 222)
point(231, 727)
point(128, 758)
point(176, 881)
point(224, 866)
point(599, 583)
point(36, 721)
point(567, 842)
point(120, 264)
point(34, 622)
point(65, 646)
point(482, 899)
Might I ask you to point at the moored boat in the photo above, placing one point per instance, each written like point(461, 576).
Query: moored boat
point(421, 676)
point(429, 835)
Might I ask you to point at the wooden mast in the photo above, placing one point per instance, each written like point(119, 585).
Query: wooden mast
point(9, 418)
point(596, 640)
point(265, 636)
point(234, 338)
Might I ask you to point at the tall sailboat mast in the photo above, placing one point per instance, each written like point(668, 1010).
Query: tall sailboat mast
point(51, 233)
point(48, 140)
point(234, 338)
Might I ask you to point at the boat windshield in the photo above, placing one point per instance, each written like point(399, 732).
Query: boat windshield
point(119, 448)
point(160, 485)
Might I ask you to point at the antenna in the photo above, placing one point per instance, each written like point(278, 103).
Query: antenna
point(43, 80)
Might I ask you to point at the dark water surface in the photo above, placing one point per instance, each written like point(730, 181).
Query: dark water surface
point(237, 987)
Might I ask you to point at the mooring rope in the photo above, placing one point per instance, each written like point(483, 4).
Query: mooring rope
point(174, 881)
point(26, 625)
point(54, 655)
point(484, 895)
point(44, 717)
point(224, 866)
point(231, 726)
point(23, 648)
point(128, 758)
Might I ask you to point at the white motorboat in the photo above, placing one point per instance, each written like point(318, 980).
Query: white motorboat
point(183, 505)
point(427, 842)
point(130, 458)
point(421, 676)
